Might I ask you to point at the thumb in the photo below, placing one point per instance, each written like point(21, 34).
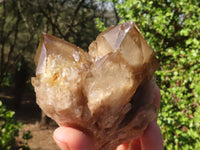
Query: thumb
point(68, 138)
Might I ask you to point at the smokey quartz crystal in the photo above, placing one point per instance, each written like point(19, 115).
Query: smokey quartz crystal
point(107, 92)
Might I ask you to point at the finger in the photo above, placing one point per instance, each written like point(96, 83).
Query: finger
point(71, 139)
point(157, 97)
point(156, 100)
point(152, 138)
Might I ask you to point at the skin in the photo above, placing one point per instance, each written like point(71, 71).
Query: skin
point(68, 138)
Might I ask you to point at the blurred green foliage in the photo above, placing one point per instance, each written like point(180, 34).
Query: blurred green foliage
point(172, 29)
point(9, 131)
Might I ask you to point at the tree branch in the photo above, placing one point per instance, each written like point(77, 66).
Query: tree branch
point(2, 41)
point(12, 46)
point(51, 21)
point(116, 14)
point(73, 18)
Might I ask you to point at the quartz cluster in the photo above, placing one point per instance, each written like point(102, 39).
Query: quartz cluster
point(107, 92)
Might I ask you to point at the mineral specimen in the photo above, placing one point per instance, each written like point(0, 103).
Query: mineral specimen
point(107, 92)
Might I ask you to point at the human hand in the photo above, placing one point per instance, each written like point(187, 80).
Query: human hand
point(68, 138)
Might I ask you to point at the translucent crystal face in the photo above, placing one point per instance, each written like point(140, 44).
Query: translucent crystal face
point(107, 92)
point(125, 38)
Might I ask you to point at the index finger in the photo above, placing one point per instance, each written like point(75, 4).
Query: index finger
point(157, 96)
